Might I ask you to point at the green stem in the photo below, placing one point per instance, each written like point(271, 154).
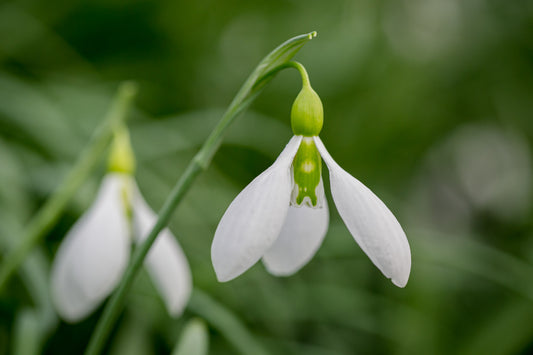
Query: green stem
point(292, 64)
point(303, 72)
point(248, 92)
point(224, 321)
point(49, 213)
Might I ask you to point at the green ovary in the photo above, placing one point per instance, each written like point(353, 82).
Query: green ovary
point(121, 157)
point(307, 167)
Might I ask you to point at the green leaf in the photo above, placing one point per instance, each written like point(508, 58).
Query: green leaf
point(27, 333)
point(31, 325)
point(479, 259)
point(225, 322)
point(493, 336)
point(27, 111)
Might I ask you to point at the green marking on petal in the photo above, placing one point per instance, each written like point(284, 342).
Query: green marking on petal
point(126, 194)
point(307, 169)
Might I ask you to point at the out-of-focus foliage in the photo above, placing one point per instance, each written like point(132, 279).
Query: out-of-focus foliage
point(194, 339)
point(428, 102)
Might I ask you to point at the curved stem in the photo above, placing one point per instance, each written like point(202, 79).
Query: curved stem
point(48, 214)
point(299, 66)
point(292, 64)
point(272, 63)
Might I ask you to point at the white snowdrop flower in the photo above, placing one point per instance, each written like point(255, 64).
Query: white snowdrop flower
point(94, 254)
point(282, 216)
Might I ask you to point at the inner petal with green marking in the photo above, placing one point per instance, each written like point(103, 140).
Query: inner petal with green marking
point(307, 168)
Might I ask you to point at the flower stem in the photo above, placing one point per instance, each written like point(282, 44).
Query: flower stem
point(248, 92)
point(292, 64)
point(303, 72)
point(49, 213)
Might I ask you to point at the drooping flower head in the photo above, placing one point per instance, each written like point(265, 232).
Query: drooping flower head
point(95, 252)
point(282, 216)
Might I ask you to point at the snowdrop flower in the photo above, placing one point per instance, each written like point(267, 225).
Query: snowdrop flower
point(93, 256)
point(282, 216)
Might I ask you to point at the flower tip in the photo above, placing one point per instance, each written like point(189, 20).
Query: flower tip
point(399, 282)
point(225, 272)
point(176, 310)
point(70, 313)
point(221, 271)
point(400, 278)
point(278, 272)
point(221, 277)
point(312, 35)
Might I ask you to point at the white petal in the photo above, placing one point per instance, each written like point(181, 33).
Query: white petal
point(165, 262)
point(302, 234)
point(254, 219)
point(92, 257)
point(370, 222)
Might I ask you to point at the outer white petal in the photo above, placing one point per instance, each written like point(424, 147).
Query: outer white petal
point(92, 257)
point(302, 234)
point(166, 262)
point(370, 222)
point(254, 219)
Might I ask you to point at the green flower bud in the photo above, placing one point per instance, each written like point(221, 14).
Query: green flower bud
point(307, 114)
point(121, 157)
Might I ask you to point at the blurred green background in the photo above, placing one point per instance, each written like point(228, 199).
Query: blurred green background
point(427, 102)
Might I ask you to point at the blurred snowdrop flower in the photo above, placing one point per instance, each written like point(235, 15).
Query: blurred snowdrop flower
point(94, 255)
point(282, 215)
